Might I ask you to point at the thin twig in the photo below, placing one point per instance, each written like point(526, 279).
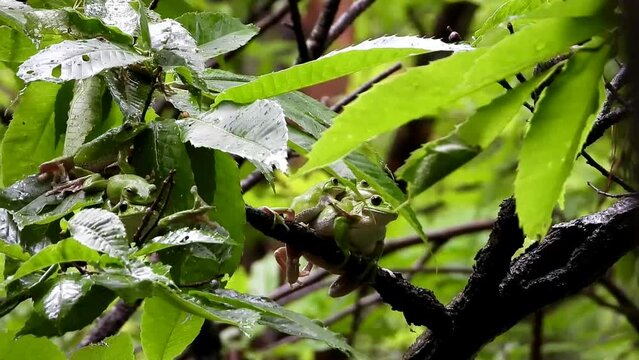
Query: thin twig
point(316, 42)
point(160, 205)
point(251, 180)
point(346, 20)
point(590, 161)
point(357, 316)
point(300, 38)
point(154, 4)
point(614, 196)
point(366, 86)
point(537, 343)
point(507, 86)
point(629, 309)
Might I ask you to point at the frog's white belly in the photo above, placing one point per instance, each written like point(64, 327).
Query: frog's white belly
point(362, 239)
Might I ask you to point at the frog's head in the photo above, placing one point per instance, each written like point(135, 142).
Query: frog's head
point(139, 193)
point(380, 210)
point(333, 188)
point(365, 189)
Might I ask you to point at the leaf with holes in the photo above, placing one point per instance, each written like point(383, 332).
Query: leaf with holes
point(256, 132)
point(85, 112)
point(13, 13)
point(101, 230)
point(75, 60)
point(335, 64)
point(184, 236)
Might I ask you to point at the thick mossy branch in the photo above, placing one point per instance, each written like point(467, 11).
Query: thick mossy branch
point(572, 256)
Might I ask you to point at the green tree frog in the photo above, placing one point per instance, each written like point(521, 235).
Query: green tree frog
point(129, 188)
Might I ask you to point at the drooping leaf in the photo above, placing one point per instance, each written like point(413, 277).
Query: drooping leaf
point(277, 317)
point(217, 33)
point(115, 347)
point(75, 60)
point(166, 330)
point(256, 132)
point(130, 89)
point(65, 251)
point(70, 303)
point(13, 12)
point(10, 237)
point(552, 143)
point(436, 159)
point(333, 65)
point(49, 208)
point(85, 112)
point(424, 90)
point(244, 319)
point(118, 13)
point(101, 230)
point(137, 280)
point(174, 45)
point(15, 47)
point(159, 150)
point(35, 348)
point(35, 133)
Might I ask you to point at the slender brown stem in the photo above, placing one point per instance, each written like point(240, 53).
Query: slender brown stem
point(366, 86)
point(346, 20)
point(317, 40)
point(300, 38)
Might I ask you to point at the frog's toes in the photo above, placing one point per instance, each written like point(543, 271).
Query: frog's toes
point(277, 218)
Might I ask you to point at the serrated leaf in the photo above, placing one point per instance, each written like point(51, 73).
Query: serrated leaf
point(174, 45)
point(33, 348)
point(15, 47)
point(68, 250)
point(101, 230)
point(184, 236)
point(75, 60)
point(115, 347)
point(85, 112)
point(256, 132)
point(552, 143)
point(33, 212)
point(158, 151)
point(35, 133)
point(507, 10)
point(424, 90)
point(277, 317)
point(333, 65)
point(436, 159)
point(118, 13)
point(13, 12)
point(217, 33)
point(166, 331)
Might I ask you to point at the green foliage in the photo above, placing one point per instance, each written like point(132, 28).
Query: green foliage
point(165, 330)
point(88, 77)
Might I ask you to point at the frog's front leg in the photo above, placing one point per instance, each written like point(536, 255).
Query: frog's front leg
point(280, 215)
point(123, 164)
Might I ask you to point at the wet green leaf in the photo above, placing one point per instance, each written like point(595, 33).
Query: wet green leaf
point(48, 208)
point(115, 347)
point(32, 348)
point(68, 250)
point(101, 230)
point(165, 330)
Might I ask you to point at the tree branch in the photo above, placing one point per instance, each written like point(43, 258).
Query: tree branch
point(300, 38)
point(346, 20)
point(316, 42)
point(111, 323)
point(369, 84)
point(572, 256)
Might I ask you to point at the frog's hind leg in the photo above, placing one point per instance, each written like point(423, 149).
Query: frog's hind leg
point(307, 270)
point(288, 259)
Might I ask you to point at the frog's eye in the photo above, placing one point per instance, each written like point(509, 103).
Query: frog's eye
point(130, 191)
point(334, 181)
point(363, 184)
point(376, 200)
